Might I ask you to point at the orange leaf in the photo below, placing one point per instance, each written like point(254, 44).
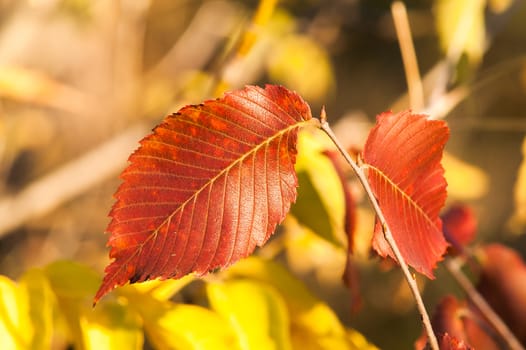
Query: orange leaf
point(403, 152)
point(206, 187)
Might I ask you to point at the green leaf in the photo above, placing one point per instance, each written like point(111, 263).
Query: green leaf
point(255, 310)
point(321, 204)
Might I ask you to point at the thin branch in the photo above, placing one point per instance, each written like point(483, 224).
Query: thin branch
point(407, 49)
point(453, 267)
point(362, 177)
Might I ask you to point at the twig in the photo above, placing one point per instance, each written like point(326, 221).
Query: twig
point(360, 173)
point(49, 192)
point(407, 49)
point(453, 267)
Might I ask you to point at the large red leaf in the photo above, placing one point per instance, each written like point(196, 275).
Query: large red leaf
point(206, 187)
point(403, 152)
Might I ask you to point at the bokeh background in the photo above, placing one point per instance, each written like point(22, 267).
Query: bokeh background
point(81, 81)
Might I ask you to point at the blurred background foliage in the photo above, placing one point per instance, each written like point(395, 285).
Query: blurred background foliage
point(82, 81)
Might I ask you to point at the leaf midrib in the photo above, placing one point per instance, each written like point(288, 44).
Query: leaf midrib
point(224, 171)
point(404, 195)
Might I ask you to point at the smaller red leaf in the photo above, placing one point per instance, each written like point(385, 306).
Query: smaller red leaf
point(503, 284)
point(460, 225)
point(403, 152)
point(458, 327)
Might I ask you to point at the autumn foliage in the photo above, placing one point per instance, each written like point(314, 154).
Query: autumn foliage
point(212, 181)
point(403, 153)
point(207, 187)
point(244, 222)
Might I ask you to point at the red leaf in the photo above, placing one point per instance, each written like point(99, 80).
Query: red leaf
point(206, 187)
point(403, 152)
point(459, 327)
point(503, 284)
point(460, 226)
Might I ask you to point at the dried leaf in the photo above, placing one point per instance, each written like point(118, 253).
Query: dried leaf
point(206, 187)
point(403, 152)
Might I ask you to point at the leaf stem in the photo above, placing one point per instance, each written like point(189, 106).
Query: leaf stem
point(362, 177)
point(454, 269)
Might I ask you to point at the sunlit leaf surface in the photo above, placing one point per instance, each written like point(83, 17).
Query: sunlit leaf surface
point(209, 185)
point(403, 152)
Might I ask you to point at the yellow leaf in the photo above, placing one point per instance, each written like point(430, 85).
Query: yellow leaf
point(179, 326)
point(307, 252)
point(359, 341)
point(15, 325)
point(321, 204)
point(255, 310)
point(69, 279)
point(111, 326)
point(313, 324)
point(41, 304)
point(517, 222)
point(464, 181)
point(161, 290)
point(301, 64)
point(460, 26)
point(32, 86)
point(74, 286)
